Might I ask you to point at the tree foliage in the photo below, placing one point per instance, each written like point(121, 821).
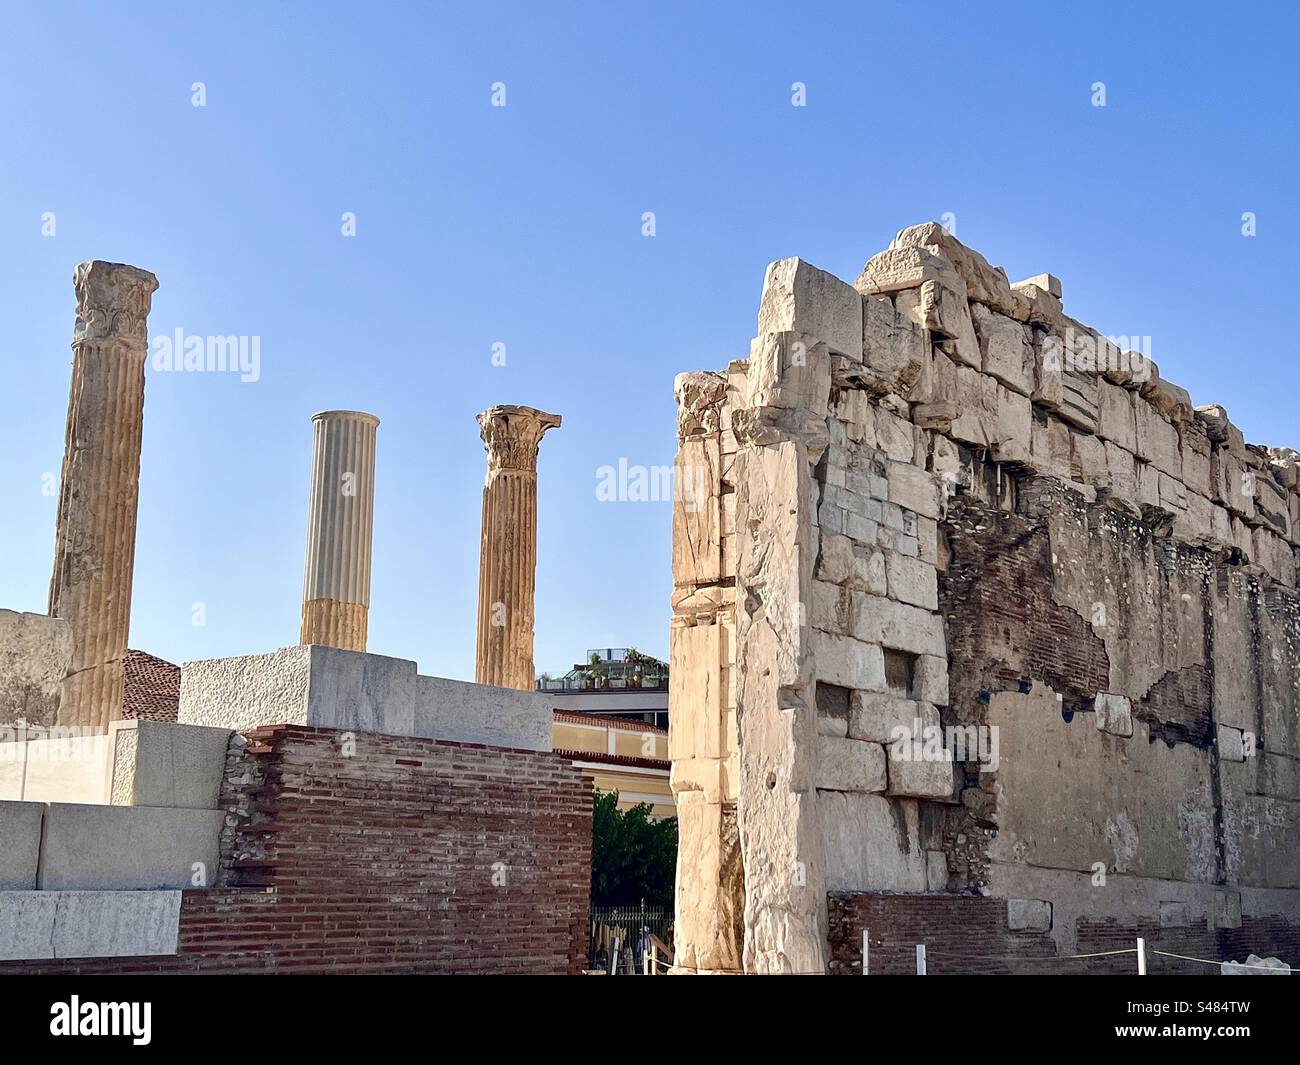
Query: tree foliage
point(633, 857)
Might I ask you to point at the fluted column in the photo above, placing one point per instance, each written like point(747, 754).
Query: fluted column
point(336, 581)
point(508, 549)
point(94, 550)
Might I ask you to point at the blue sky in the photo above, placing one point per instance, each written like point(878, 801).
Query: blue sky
point(522, 225)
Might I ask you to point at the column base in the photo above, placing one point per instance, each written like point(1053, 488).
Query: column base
point(329, 623)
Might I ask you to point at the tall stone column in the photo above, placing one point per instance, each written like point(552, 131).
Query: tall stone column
point(508, 550)
point(94, 550)
point(341, 518)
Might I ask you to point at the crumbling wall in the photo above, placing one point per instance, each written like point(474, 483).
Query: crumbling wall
point(957, 508)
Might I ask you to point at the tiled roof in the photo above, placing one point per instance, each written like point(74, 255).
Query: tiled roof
point(581, 717)
point(615, 759)
point(153, 688)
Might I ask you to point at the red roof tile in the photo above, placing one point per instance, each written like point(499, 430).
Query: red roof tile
point(153, 688)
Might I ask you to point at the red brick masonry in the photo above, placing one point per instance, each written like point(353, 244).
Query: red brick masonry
point(401, 856)
point(968, 934)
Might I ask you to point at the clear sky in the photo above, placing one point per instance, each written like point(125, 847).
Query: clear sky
point(522, 225)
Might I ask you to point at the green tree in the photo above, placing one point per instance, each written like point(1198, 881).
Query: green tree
point(632, 856)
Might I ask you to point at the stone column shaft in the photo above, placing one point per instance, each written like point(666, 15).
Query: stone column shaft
point(94, 552)
point(340, 521)
point(508, 548)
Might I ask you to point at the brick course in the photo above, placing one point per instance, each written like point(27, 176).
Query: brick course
point(404, 856)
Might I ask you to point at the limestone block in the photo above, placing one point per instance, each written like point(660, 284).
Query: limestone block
point(1049, 283)
point(848, 662)
point(1116, 421)
point(800, 298)
point(984, 283)
point(116, 924)
point(695, 696)
point(27, 924)
point(869, 572)
point(1230, 744)
point(1271, 504)
point(1173, 493)
point(931, 679)
point(896, 436)
point(1114, 714)
point(1168, 399)
point(871, 843)
point(896, 625)
point(102, 848)
point(938, 416)
point(1029, 915)
point(1014, 427)
point(1121, 472)
point(977, 400)
point(1196, 459)
point(1218, 426)
point(1157, 440)
point(936, 871)
point(1079, 400)
point(849, 765)
point(160, 763)
point(697, 515)
point(914, 773)
point(907, 268)
point(1221, 524)
point(1196, 522)
point(946, 314)
point(1088, 463)
point(20, 844)
point(938, 384)
point(327, 687)
point(1233, 484)
point(914, 489)
point(835, 563)
point(1005, 351)
point(1175, 914)
point(1049, 362)
point(35, 655)
point(1051, 450)
point(705, 912)
point(1274, 554)
point(830, 608)
point(788, 371)
point(895, 348)
point(875, 715)
point(911, 581)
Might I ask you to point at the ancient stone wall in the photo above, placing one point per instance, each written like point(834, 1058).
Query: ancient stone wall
point(931, 504)
point(360, 853)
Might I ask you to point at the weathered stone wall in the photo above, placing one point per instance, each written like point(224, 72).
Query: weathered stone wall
point(933, 499)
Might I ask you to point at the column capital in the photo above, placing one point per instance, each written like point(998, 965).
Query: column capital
point(113, 301)
point(511, 435)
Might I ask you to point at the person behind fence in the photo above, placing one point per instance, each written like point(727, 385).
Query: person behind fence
point(642, 946)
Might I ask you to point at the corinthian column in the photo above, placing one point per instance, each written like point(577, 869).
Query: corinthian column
point(94, 550)
point(508, 550)
point(336, 584)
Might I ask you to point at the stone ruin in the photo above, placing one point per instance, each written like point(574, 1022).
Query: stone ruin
point(316, 809)
point(977, 623)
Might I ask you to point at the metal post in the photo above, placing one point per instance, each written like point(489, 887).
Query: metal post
point(1142, 956)
point(866, 953)
point(920, 959)
point(613, 958)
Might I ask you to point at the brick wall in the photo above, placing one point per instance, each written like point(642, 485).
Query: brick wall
point(968, 935)
point(401, 856)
